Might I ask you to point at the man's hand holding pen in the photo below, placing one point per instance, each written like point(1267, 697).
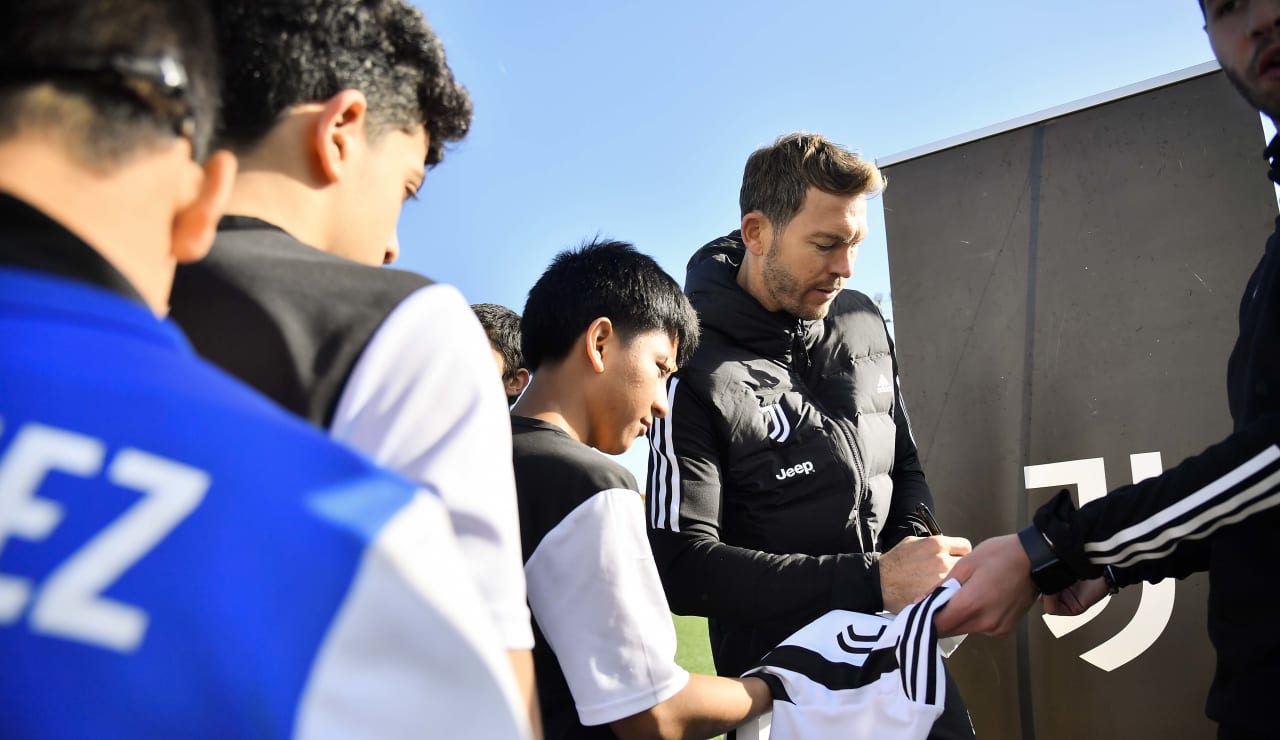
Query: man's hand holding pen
point(917, 565)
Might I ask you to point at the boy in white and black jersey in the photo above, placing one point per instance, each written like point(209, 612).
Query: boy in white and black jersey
point(337, 110)
point(603, 329)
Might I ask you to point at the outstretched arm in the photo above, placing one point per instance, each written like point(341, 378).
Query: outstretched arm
point(1155, 529)
point(707, 706)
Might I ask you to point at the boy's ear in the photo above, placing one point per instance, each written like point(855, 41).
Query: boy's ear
point(340, 126)
point(516, 384)
point(196, 222)
point(599, 335)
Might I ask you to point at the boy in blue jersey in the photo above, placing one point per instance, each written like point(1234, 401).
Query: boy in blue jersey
point(178, 557)
point(603, 330)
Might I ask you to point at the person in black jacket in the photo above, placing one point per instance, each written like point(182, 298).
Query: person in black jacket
point(781, 484)
point(1216, 511)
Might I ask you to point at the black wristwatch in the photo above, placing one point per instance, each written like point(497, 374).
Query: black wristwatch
point(1049, 573)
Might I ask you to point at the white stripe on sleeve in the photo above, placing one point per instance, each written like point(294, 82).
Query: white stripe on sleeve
point(1222, 502)
point(664, 483)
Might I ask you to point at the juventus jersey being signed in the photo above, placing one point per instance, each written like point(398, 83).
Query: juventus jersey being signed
point(853, 675)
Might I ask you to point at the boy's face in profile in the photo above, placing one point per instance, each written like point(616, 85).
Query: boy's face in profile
point(383, 174)
point(634, 389)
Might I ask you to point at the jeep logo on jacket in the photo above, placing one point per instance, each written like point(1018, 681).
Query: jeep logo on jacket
point(803, 468)
point(785, 466)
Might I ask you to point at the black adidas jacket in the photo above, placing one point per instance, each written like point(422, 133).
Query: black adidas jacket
point(1218, 511)
point(785, 467)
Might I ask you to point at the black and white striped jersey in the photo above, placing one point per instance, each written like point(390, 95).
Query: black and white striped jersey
point(856, 676)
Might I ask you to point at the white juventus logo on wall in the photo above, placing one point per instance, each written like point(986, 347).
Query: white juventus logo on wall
point(1156, 606)
point(779, 427)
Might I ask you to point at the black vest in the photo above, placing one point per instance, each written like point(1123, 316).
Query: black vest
point(287, 319)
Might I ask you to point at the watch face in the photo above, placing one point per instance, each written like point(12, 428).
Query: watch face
point(1050, 574)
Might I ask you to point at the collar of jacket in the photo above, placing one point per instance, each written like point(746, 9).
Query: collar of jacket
point(34, 241)
point(711, 282)
point(249, 223)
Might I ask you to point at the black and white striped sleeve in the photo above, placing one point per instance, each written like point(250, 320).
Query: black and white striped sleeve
point(1161, 527)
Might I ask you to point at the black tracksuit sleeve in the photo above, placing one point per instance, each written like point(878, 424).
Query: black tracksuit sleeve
point(706, 577)
point(1160, 527)
point(909, 485)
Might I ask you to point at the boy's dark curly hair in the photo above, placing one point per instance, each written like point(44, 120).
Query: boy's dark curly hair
point(280, 53)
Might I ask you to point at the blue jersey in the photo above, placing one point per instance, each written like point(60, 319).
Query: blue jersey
point(180, 557)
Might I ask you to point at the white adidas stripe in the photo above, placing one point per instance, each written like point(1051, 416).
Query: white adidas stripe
point(1150, 533)
point(664, 516)
point(903, 405)
point(1259, 505)
point(655, 471)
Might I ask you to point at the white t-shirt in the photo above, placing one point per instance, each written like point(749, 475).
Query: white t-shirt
point(593, 584)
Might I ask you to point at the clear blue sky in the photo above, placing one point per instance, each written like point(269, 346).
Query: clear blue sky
point(633, 119)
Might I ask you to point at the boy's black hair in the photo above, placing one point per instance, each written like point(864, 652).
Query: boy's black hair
point(280, 53)
point(609, 279)
point(502, 325)
point(111, 77)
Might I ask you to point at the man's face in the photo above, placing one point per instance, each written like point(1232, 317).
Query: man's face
point(387, 173)
point(1245, 37)
point(806, 264)
point(634, 390)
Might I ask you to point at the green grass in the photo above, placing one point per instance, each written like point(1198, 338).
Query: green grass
point(693, 652)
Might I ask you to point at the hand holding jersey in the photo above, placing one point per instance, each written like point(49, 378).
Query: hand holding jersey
point(916, 566)
point(996, 572)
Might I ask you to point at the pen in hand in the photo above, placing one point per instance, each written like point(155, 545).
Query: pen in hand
point(922, 520)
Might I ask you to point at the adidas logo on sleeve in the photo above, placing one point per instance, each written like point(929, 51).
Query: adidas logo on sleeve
point(854, 675)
